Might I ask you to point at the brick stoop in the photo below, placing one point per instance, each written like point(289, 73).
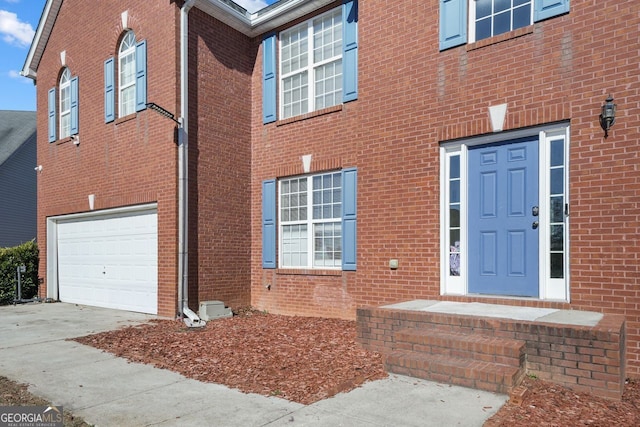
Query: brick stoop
point(492, 353)
point(469, 360)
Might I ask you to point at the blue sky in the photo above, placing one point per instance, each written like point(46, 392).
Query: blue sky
point(18, 22)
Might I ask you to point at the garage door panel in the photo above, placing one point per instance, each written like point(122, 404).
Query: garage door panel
point(110, 261)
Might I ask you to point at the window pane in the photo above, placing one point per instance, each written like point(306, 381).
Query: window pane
point(557, 266)
point(483, 8)
point(454, 188)
point(454, 167)
point(557, 152)
point(454, 253)
point(483, 29)
point(328, 85)
point(501, 23)
point(557, 181)
point(327, 245)
point(294, 244)
point(454, 216)
point(501, 5)
point(557, 209)
point(557, 237)
point(521, 17)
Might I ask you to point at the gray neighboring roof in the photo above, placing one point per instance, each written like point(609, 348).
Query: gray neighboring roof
point(16, 127)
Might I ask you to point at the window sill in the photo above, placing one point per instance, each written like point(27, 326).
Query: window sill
point(125, 118)
point(310, 115)
point(63, 140)
point(500, 38)
point(307, 272)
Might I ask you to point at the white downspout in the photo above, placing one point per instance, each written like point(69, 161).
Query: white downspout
point(183, 174)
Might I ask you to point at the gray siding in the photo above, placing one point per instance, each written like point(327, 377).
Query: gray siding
point(18, 195)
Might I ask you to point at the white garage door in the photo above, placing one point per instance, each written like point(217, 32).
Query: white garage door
point(110, 261)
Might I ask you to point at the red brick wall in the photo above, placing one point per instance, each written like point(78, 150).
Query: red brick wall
point(221, 62)
point(411, 97)
point(130, 161)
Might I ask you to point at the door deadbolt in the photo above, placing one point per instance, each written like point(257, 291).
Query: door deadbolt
point(535, 211)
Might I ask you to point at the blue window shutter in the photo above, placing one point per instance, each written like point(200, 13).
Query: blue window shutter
point(269, 79)
point(549, 8)
point(51, 114)
point(269, 224)
point(74, 105)
point(349, 50)
point(349, 217)
point(109, 91)
point(141, 75)
point(453, 23)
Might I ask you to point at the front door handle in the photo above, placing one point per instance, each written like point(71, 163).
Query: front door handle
point(535, 224)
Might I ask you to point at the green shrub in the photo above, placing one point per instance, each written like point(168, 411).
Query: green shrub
point(10, 259)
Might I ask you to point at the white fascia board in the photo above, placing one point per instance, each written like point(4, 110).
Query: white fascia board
point(40, 39)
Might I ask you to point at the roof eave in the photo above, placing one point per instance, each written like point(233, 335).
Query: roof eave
point(40, 39)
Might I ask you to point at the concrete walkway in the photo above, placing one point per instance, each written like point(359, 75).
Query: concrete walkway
point(109, 391)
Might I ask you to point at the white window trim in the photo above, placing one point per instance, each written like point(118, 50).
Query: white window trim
point(310, 222)
point(472, 20)
point(549, 289)
point(131, 50)
point(65, 113)
point(310, 68)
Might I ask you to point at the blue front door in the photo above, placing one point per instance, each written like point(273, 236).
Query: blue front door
point(503, 228)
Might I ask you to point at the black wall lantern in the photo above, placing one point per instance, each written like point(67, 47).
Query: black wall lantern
point(608, 115)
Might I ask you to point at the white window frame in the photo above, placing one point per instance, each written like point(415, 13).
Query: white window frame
point(311, 67)
point(310, 222)
point(549, 288)
point(65, 99)
point(472, 20)
point(126, 51)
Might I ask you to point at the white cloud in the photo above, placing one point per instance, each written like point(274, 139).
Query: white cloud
point(252, 5)
point(16, 75)
point(14, 31)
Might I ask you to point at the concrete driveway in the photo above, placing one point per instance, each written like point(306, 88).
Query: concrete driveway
point(109, 391)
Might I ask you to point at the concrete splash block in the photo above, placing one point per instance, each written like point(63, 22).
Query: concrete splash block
point(210, 310)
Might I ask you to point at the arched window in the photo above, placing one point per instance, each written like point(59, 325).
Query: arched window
point(65, 103)
point(127, 75)
point(130, 87)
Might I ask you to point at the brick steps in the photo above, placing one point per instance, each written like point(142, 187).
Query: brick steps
point(469, 360)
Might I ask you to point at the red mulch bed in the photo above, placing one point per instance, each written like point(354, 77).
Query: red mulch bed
point(301, 359)
point(547, 404)
point(306, 359)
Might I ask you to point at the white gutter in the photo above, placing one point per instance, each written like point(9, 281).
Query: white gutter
point(183, 169)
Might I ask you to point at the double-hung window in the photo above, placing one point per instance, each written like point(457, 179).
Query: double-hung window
point(493, 17)
point(62, 107)
point(131, 88)
point(310, 221)
point(311, 65)
point(463, 21)
point(65, 104)
point(318, 64)
point(314, 217)
point(127, 75)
